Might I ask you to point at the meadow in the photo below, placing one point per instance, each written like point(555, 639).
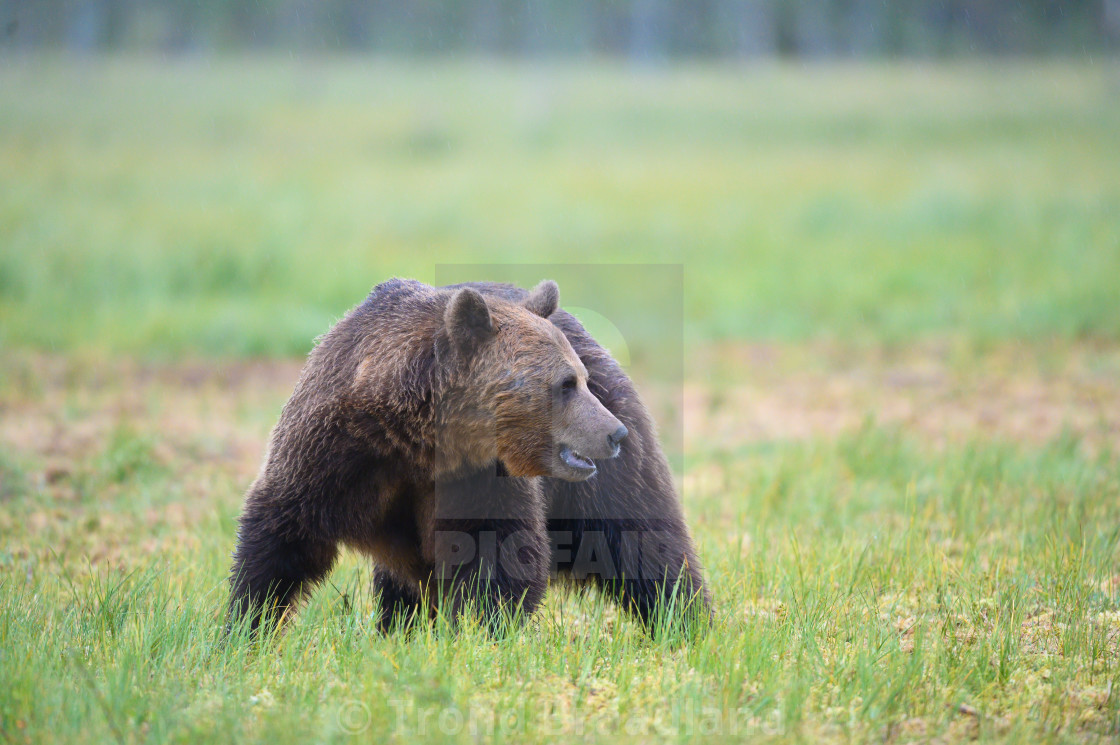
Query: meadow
point(900, 394)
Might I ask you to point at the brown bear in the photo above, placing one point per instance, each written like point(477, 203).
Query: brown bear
point(473, 440)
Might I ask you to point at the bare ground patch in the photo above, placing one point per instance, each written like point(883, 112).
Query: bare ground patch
point(64, 410)
point(755, 393)
point(123, 459)
point(60, 411)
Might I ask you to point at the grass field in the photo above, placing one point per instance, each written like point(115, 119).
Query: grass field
point(239, 207)
point(901, 404)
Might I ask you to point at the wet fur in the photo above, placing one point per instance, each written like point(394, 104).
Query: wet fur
point(384, 447)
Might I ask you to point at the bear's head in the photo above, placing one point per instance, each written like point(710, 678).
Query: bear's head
point(523, 390)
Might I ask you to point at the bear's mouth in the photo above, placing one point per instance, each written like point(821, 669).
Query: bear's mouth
point(574, 460)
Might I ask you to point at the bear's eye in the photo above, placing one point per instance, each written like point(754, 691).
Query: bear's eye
point(568, 386)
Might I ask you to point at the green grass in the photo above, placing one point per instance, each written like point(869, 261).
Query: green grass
point(880, 584)
point(238, 206)
point(865, 588)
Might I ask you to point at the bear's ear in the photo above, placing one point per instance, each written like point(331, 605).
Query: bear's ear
point(544, 299)
point(468, 319)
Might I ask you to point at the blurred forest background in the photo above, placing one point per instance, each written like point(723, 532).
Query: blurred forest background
point(641, 29)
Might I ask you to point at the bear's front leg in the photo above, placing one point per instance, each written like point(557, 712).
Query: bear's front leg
point(489, 547)
point(274, 565)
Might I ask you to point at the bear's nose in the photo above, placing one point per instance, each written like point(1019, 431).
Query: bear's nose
point(618, 435)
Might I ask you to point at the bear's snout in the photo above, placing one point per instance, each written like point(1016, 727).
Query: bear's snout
point(588, 432)
point(615, 438)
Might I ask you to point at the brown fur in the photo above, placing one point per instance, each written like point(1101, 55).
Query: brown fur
point(432, 429)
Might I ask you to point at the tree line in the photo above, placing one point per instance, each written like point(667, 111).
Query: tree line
point(641, 29)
